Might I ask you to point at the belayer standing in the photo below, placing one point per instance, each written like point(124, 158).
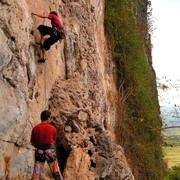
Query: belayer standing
point(55, 32)
point(43, 137)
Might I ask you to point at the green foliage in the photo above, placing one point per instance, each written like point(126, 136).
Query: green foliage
point(138, 127)
point(173, 173)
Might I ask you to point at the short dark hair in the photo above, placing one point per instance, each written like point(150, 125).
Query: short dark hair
point(53, 12)
point(45, 115)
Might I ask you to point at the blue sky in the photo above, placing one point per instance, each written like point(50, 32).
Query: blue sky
point(166, 45)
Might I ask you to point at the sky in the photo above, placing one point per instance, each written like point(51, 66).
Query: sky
point(166, 48)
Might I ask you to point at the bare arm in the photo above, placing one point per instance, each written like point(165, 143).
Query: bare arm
point(32, 140)
point(38, 15)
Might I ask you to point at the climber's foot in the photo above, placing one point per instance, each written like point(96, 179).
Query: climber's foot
point(42, 60)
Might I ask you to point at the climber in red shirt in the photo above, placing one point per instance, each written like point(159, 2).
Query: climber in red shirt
point(43, 137)
point(55, 32)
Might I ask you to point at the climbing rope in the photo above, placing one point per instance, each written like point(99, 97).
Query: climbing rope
point(45, 68)
point(45, 97)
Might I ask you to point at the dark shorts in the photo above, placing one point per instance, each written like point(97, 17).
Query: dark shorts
point(54, 36)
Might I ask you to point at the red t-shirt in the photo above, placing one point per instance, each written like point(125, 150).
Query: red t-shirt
point(55, 22)
point(43, 134)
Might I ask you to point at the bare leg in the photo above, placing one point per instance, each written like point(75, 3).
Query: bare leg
point(43, 53)
point(42, 39)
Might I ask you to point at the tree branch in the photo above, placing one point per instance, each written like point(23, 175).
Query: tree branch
point(168, 127)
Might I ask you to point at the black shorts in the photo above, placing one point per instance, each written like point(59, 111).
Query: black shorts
point(54, 36)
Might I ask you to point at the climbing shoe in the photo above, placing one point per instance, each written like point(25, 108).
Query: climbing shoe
point(42, 60)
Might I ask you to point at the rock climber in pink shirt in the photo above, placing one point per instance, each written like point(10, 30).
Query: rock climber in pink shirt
point(55, 32)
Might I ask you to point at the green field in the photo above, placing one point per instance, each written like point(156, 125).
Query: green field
point(172, 155)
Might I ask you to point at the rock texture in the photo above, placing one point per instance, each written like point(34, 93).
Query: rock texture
point(75, 83)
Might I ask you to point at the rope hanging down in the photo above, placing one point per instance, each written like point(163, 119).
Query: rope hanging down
point(45, 97)
point(45, 67)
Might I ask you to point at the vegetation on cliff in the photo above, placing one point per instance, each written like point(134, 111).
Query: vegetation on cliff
point(138, 122)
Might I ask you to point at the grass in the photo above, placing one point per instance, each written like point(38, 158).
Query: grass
point(172, 156)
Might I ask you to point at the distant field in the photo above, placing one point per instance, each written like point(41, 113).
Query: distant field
point(172, 155)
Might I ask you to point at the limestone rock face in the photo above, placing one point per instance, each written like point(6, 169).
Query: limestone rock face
point(75, 83)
